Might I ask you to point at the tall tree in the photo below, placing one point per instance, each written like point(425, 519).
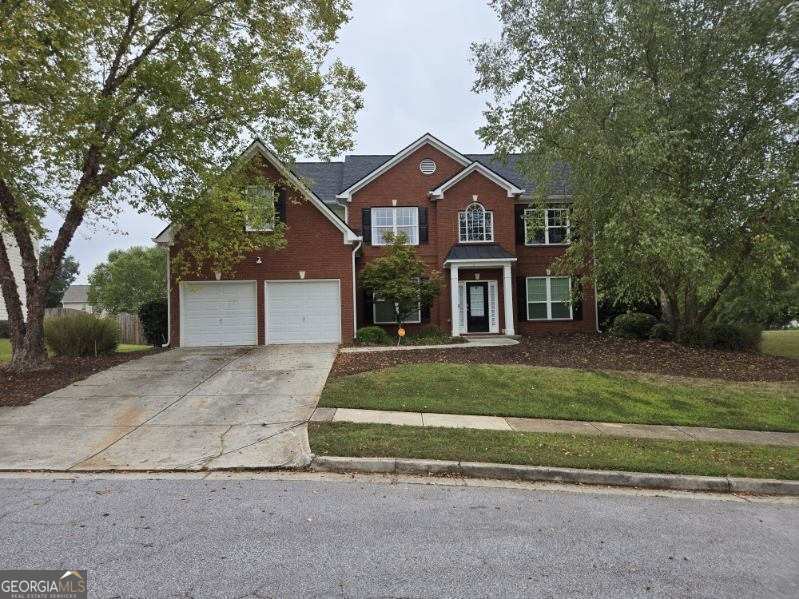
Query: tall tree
point(678, 123)
point(104, 102)
point(62, 279)
point(128, 279)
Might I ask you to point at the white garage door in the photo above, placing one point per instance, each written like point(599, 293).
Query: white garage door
point(223, 313)
point(303, 312)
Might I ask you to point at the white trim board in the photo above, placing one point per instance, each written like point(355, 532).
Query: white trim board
point(427, 138)
point(511, 190)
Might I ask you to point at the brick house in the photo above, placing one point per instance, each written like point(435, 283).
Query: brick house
point(465, 214)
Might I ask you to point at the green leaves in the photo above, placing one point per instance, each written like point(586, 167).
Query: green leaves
point(678, 121)
point(400, 278)
point(128, 279)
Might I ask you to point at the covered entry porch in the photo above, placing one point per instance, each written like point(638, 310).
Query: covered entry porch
point(481, 289)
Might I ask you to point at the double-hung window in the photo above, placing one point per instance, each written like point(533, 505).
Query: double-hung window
point(547, 226)
point(549, 298)
point(395, 220)
point(383, 313)
point(262, 196)
point(475, 224)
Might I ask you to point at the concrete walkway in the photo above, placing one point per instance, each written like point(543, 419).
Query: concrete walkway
point(488, 341)
point(185, 409)
point(544, 425)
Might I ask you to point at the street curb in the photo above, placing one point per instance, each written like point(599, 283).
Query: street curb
point(676, 482)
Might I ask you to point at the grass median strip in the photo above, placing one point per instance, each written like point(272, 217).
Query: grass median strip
point(546, 449)
point(564, 393)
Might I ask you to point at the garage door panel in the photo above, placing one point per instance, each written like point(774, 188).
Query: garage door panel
point(219, 314)
point(303, 312)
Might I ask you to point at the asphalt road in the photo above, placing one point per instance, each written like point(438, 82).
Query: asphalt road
point(367, 537)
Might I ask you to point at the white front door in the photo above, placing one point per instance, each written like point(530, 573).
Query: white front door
point(218, 313)
point(306, 311)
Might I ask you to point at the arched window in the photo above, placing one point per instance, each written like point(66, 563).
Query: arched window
point(475, 224)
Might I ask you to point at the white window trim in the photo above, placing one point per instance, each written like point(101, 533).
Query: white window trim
point(529, 212)
point(463, 213)
point(374, 314)
point(394, 227)
point(269, 227)
point(527, 301)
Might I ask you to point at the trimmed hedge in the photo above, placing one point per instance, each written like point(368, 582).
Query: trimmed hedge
point(733, 337)
point(154, 321)
point(633, 325)
point(81, 334)
point(373, 334)
point(5, 330)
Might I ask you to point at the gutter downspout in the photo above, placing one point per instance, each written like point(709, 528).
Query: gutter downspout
point(168, 298)
point(354, 290)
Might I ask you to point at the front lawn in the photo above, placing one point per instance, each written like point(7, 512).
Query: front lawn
point(781, 343)
point(562, 393)
point(5, 350)
point(560, 450)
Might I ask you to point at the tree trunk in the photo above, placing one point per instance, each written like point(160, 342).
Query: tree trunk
point(31, 353)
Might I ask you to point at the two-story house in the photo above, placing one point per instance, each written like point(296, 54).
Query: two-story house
point(466, 215)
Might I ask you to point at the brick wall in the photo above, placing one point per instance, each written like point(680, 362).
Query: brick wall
point(408, 186)
point(314, 245)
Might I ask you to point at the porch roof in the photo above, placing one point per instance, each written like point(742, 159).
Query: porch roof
point(481, 251)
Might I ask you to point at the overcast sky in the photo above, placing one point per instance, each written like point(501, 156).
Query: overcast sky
point(413, 56)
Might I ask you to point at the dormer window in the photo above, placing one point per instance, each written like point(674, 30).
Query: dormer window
point(475, 224)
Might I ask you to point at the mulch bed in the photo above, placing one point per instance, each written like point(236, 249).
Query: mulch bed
point(591, 352)
point(22, 389)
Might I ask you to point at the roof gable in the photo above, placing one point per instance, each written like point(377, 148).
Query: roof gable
point(386, 165)
point(259, 148)
point(476, 167)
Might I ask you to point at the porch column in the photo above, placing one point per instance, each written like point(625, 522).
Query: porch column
point(507, 291)
point(453, 294)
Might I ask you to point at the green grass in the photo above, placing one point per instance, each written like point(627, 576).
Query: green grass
point(124, 348)
point(5, 349)
point(562, 393)
point(781, 343)
point(539, 449)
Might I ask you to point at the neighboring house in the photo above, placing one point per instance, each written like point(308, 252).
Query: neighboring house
point(465, 213)
point(16, 268)
point(76, 297)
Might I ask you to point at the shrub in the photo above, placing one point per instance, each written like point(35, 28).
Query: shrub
point(373, 335)
point(154, 321)
point(633, 325)
point(734, 337)
point(661, 332)
point(5, 330)
point(81, 334)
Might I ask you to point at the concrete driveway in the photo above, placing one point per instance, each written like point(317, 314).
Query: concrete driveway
point(185, 409)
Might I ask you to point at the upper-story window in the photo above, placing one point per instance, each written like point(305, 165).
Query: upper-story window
point(395, 220)
point(475, 224)
point(262, 195)
point(547, 226)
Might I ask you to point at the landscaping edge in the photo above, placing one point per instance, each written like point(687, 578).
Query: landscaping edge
point(616, 478)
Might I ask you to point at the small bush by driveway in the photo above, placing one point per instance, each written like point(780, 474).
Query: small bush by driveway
point(592, 352)
point(559, 393)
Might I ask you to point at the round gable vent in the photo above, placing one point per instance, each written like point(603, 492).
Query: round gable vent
point(427, 166)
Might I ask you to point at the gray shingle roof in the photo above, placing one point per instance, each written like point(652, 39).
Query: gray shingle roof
point(76, 294)
point(326, 179)
point(482, 251)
